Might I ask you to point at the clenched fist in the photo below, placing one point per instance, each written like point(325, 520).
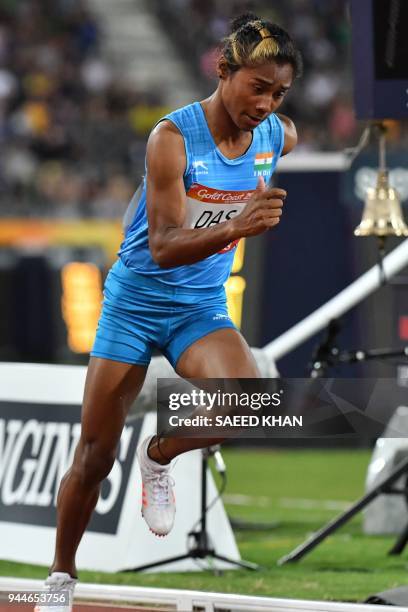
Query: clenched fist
point(262, 211)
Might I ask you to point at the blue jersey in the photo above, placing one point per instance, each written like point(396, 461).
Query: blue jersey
point(217, 189)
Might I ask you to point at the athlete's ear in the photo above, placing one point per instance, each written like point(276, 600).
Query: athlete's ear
point(222, 68)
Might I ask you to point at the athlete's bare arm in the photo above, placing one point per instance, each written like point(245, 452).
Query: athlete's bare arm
point(290, 134)
point(170, 243)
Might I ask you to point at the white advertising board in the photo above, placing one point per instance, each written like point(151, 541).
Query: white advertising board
point(39, 428)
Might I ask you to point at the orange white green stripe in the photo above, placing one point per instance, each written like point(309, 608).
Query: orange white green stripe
point(263, 161)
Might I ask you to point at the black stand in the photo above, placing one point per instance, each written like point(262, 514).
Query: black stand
point(385, 486)
point(201, 548)
point(327, 353)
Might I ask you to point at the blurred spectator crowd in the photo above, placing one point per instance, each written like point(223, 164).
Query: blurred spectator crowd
point(72, 138)
point(321, 101)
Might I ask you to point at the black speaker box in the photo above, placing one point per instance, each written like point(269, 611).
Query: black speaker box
point(393, 597)
point(380, 52)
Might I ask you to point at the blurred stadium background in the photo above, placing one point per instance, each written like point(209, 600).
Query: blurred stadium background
point(81, 85)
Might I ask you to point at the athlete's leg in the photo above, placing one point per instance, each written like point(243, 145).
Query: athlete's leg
point(221, 354)
point(110, 389)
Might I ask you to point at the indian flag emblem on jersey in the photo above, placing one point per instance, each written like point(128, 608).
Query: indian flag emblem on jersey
point(263, 163)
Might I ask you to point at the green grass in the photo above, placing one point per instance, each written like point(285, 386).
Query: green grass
point(291, 489)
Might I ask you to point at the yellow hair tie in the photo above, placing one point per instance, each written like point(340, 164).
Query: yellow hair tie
point(264, 32)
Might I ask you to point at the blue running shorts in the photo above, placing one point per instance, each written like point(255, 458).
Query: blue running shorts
point(140, 313)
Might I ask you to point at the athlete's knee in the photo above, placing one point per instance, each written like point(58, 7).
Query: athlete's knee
point(93, 461)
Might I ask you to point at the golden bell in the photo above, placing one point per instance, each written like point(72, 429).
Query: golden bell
point(382, 214)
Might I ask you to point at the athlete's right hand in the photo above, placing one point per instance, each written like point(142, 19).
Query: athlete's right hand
point(262, 211)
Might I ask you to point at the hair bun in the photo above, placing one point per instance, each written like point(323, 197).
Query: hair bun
point(240, 21)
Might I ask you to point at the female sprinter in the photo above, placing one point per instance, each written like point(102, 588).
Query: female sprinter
point(167, 288)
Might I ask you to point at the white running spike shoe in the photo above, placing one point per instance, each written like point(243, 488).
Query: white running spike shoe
point(158, 500)
point(59, 590)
